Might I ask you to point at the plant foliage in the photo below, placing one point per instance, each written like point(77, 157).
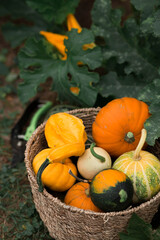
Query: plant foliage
point(38, 62)
point(54, 10)
point(139, 230)
point(131, 54)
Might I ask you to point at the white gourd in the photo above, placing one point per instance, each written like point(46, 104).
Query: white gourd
point(93, 160)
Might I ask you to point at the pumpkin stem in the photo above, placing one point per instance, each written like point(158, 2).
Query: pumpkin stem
point(129, 137)
point(101, 158)
point(87, 191)
point(77, 178)
point(39, 174)
point(136, 155)
point(123, 195)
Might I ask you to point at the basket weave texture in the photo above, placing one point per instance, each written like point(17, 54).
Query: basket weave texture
point(71, 223)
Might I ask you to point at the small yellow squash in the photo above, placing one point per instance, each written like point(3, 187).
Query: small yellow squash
point(55, 175)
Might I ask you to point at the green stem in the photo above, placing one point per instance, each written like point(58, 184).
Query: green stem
point(101, 158)
point(123, 195)
point(77, 178)
point(129, 137)
point(39, 174)
point(33, 124)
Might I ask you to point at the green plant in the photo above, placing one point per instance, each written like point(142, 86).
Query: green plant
point(19, 218)
point(127, 51)
point(138, 229)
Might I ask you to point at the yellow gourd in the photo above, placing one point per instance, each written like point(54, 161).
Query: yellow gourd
point(66, 136)
point(56, 175)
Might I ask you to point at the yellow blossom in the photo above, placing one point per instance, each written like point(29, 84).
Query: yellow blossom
point(57, 40)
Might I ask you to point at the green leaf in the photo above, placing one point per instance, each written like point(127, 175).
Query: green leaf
point(128, 49)
point(16, 34)
point(144, 5)
point(54, 10)
point(11, 77)
point(152, 24)
point(137, 229)
point(151, 95)
point(3, 69)
point(156, 234)
point(119, 86)
point(38, 61)
point(17, 9)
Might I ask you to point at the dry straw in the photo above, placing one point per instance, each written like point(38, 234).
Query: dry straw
point(66, 222)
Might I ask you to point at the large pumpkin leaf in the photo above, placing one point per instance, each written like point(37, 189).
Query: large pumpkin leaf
point(54, 10)
point(121, 43)
point(149, 15)
point(111, 84)
point(16, 34)
point(151, 95)
point(38, 61)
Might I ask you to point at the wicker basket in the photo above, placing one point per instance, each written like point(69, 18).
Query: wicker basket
point(71, 223)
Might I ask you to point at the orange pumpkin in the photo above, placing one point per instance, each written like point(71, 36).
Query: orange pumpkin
point(79, 196)
point(55, 175)
point(117, 127)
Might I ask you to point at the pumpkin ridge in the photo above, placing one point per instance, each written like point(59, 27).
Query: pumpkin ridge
point(73, 199)
point(121, 165)
point(125, 171)
point(154, 169)
point(146, 180)
point(134, 176)
point(82, 186)
point(83, 204)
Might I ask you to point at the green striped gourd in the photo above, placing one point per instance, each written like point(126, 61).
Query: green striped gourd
point(143, 168)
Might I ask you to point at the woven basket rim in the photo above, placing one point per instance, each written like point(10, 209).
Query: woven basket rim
point(53, 199)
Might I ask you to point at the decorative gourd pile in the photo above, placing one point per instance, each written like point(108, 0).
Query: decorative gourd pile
point(118, 131)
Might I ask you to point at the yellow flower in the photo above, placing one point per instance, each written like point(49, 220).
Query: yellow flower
point(57, 40)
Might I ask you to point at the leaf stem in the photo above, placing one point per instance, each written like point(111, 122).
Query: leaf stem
point(78, 179)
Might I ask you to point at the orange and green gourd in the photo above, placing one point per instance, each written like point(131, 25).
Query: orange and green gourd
point(56, 175)
point(117, 127)
point(143, 168)
point(111, 190)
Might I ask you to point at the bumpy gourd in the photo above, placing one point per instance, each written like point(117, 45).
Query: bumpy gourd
point(79, 196)
point(56, 175)
point(143, 168)
point(66, 136)
point(117, 127)
point(92, 161)
point(65, 129)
